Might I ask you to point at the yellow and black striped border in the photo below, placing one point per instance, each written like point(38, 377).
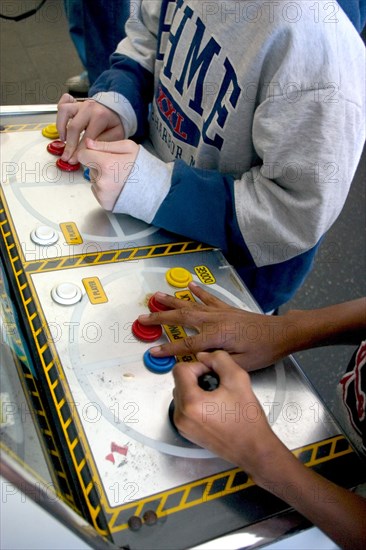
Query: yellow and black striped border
point(10, 128)
point(114, 256)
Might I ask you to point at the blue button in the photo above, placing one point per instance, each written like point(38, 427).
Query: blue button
point(87, 174)
point(158, 365)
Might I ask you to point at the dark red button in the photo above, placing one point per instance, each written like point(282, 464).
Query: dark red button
point(66, 167)
point(146, 333)
point(56, 147)
point(155, 306)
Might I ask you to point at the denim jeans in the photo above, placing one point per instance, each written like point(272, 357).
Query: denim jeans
point(356, 11)
point(96, 27)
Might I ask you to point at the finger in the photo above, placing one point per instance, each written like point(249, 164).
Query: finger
point(86, 143)
point(81, 145)
point(206, 297)
point(186, 312)
point(73, 135)
point(185, 346)
point(112, 134)
point(172, 302)
point(66, 98)
point(83, 120)
point(181, 316)
point(91, 159)
point(66, 111)
point(101, 128)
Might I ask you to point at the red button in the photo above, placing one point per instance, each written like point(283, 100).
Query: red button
point(146, 333)
point(155, 306)
point(66, 167)
point(56, 147)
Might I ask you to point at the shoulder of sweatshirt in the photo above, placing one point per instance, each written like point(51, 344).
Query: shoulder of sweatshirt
point(142, 29)
point(311, 45)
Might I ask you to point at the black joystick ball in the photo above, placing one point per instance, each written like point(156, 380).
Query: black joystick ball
point(208, 382)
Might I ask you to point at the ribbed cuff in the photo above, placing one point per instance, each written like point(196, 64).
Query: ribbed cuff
point(146, 187)
point(120, 105)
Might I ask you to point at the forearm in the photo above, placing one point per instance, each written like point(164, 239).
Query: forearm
point(338, 324)
point(336, 511)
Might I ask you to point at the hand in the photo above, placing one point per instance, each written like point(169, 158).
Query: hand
point(228, 421)
point(74, 117)
point(110, 164)
point(254, 340)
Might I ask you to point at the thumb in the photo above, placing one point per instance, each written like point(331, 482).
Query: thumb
point(117, 147)
point(91, 159)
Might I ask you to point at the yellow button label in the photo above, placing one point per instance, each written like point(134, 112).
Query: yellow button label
point(184, 295)
point(71, 233)
point(94, 290)
point(175, 332)
point(204, 275)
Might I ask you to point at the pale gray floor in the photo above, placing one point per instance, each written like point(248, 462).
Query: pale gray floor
point(36, 58)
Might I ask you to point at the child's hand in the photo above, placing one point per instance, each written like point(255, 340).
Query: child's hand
point(254, 340)
point(110, 164)
point(228, 421)
point(95, 120)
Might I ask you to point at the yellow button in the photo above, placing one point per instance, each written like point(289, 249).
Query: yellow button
point(50, 131)
point(179, 277)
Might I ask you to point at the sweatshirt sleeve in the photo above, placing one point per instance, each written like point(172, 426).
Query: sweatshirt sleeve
point(278, 209)
point(127, 87)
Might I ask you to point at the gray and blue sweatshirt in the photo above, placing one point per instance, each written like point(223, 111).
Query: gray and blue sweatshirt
point(252, 119)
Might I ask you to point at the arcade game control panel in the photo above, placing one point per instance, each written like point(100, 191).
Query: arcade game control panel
point(79, 278)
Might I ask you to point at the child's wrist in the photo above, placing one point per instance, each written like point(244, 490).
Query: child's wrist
point(270, 464)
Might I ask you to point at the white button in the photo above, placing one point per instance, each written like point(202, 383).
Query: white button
point(43, 232)
point(66, 291)
point(66, 294)
point(44, 235)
